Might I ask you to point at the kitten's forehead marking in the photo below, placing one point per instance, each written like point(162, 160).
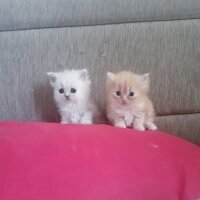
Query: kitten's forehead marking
point(124, 87)
point(67, 83)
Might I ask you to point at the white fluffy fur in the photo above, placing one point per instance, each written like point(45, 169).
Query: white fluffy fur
point(78, 108)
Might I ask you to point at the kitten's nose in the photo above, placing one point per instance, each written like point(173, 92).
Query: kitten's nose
point(124, 101)
point(67, 96)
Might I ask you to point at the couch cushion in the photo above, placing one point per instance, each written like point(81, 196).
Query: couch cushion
point(26, 14)
point(52, 161)
point(169, 51)
point(181, 125)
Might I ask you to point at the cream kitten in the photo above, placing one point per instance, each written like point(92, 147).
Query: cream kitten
point(127, 101)
point(72, 96)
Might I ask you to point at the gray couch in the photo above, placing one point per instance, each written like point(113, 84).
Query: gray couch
point(157, 36)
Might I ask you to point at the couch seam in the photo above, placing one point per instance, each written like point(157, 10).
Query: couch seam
point(94, 25)
point(178, 114)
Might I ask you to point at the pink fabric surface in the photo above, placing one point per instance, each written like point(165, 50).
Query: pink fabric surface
point(46, 161)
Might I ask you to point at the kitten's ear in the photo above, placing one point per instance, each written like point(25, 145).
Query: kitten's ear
point(52, 77)
point(146, 81)
point(111, 76)
point(83, 74)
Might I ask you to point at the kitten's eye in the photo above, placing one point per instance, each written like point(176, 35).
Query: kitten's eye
point(118, 93)
point(131, 94)
point(61, 90)
point(73, 90)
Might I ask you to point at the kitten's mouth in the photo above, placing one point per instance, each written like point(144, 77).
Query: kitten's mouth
point(67, 98)
point(124, 102)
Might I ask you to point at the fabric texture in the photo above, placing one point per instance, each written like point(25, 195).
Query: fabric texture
point(158, 36)
point(168, 51)
point(181, 125)
point(52, 161)
point(26, 14)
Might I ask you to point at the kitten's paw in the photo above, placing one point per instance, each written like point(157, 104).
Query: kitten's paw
point(120, 125)
point(86, 118)
point(139, 127)
point(86, 122)
point(151, 126)
point(64, 122)
point(75, 119)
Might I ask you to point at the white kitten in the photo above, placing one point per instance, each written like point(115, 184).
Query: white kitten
point(72, 96)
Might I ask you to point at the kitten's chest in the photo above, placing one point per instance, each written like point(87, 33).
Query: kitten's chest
point(128, 114)
point(72, 109)
point(128, 118)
